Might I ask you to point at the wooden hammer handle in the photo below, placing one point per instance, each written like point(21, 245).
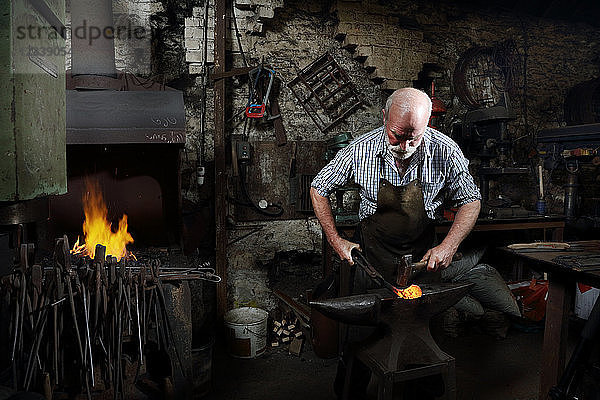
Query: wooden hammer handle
point(422, 264)
point(419, 265)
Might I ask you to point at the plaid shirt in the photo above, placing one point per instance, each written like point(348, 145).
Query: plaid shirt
point(444, 171)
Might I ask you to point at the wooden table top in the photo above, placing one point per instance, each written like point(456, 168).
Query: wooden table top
point(507, 224)
point(570, 263)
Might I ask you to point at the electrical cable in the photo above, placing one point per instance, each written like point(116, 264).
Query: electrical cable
point(237, 114)
point(252, 204)
point(204, 84)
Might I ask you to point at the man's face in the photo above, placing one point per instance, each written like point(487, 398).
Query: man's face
point(405, 130)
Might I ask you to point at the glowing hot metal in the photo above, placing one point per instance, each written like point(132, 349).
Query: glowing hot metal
point(411, 292)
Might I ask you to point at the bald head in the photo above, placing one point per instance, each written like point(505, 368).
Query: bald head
point(405, 118)
point(409, 99)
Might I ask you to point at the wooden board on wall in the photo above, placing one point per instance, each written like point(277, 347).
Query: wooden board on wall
point(268, 176)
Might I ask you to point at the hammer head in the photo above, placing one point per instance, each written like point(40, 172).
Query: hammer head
point(404, 271)
point(407, 269)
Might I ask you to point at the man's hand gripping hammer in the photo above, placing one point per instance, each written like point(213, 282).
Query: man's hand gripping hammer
point(408, 269)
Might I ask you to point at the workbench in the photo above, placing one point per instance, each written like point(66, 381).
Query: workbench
point(561, 284)
point(553, 225)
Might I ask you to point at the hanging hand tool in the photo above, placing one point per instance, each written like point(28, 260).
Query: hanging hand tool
point(205, 274)
point(255, 108)
point(15, 324)
point(127, 285)
point(137, 319)
point(143, 310)
point(19, 315)
point(275, 115)
point(36, 282)
point(88, 341)
point(37, 335)
point(59, 297)
point(163, 305)
point(99, 258)
point(118, 337)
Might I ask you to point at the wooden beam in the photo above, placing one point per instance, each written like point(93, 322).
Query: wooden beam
point(555, 333)
point(299, 309)
point(233, 72)
point(220, 167)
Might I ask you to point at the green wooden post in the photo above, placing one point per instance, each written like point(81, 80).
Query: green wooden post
point(32, 100)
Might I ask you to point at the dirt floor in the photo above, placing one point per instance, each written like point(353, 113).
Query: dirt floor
point(486, 368)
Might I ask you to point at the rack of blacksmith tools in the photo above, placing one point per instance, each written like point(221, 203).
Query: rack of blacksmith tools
point(82, 325)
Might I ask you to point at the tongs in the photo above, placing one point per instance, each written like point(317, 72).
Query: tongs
point(199, 272)
point(360, 260)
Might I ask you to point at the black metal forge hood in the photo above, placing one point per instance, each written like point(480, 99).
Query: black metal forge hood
point(123, 117)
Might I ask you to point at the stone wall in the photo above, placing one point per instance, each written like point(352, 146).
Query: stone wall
point(292, 39)
point(557, 54)
point(392, 41)
point(382, 45)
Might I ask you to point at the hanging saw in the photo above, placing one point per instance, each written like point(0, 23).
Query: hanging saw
point(255, 108)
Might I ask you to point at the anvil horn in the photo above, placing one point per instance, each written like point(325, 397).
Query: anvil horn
point(357, 310)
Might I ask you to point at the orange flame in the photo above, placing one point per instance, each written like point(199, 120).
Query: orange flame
point(411, 292)
point(97, 227)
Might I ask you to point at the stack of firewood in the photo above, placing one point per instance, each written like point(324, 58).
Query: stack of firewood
point(288, 332)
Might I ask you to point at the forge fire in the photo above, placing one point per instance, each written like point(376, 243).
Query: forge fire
point(97, 227)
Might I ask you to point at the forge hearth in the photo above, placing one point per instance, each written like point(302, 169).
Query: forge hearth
point(142, 181)
point(124, 131)
point(402, 349)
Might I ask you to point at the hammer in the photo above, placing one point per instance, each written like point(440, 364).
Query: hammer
point(407, 269)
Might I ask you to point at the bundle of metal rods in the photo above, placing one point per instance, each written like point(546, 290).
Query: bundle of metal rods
point(69, 322)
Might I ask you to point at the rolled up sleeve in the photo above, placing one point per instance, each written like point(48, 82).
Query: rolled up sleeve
point(335, 174)
point(461, 186)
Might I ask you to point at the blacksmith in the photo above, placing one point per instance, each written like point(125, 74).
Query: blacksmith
point(406, 171)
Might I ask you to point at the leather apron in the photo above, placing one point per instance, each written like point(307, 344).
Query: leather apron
point(399, 226)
